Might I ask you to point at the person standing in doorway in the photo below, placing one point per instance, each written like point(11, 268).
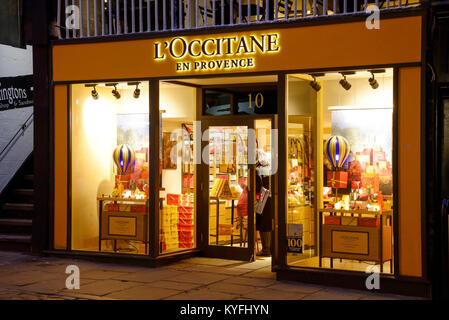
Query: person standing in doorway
point(263, 219)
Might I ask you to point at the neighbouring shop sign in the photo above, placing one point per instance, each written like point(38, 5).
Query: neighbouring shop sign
point(217, 53)
point(16, 92)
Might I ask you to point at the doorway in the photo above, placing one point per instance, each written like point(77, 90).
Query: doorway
point(236, 155)
point(234, 119)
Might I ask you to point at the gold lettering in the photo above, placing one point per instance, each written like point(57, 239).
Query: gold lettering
point(172, 48)
point(260, 45)
point(273, 44)
point(191, 48)
point(242, 44)
point(204, 47)
point(157, 54)
point(229, 44)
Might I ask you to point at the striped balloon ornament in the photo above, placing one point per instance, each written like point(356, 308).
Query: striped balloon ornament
point(123, 157)
point(337, 150)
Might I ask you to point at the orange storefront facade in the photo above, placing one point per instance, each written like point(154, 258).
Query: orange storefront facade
point(183, 80)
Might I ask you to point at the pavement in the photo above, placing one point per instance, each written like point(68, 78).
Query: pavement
point(27, 277)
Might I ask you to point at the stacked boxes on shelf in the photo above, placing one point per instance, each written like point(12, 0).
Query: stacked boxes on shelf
point(184, 206)
point(169, 227)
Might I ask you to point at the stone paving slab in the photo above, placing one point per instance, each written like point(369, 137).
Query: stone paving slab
point(231, 288)
point(199, 277)
point(151, 275)
point(271, 294)
point(144, 292)
point(255, 282)
point(203, 294)
point(103, 287)
point(168, 284)
point(24, 276)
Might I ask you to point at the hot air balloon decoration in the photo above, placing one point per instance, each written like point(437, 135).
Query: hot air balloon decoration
point(123, 158)
point(337, 151)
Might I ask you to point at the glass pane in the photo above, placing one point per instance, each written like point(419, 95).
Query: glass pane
point(109, 167)
point(177, 215)
point(260, 101)
point(217, 103)
point(228, 181)
point(340, 165)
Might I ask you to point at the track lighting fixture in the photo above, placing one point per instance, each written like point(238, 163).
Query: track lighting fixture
point(373, 82)
point(136, 93)
point(315, 85)
point(94, 92)
point(115, 93)
point(345, 83)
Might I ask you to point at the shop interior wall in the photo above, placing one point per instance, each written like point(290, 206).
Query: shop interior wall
point(179, 104)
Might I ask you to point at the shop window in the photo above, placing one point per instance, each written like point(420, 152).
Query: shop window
point(177, 211)
point(340, 170)
point(109, 167)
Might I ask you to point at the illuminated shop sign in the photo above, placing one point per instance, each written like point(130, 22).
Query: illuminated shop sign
point(218, 53)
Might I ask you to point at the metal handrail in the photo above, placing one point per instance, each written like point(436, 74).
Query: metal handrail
point(89, 18)
point(13, 140)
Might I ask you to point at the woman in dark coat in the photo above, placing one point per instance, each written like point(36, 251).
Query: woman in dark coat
point(264, 220)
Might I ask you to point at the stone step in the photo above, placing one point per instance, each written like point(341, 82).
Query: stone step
point(23, 192)
point(29, 177)
point(15, 238)
point(16, 222)
point(18, 207)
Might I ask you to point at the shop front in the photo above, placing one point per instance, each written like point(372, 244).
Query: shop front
point(305, 140)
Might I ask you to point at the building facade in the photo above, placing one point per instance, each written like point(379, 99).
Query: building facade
point(173, 129)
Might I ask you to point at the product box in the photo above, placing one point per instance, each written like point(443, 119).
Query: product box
point(172, 199)
point(111, 207)
point(137, 208)
point(355, 170)
point(337, 179)
point(369, 222)
point(185, 209)
point(185, 215)
point(356, 185)
point(332, 220)
point(349, 221)
point(125, 207)
point(186, 245)
point(379, 156)
point(185, 236)
point(371, 179)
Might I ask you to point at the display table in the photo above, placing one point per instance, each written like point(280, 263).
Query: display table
point(217, 202)
point(123, 219)
point(356, 235)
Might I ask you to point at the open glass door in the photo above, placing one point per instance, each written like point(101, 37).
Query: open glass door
point(227, 195)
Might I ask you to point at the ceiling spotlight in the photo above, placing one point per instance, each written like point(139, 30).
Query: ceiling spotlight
point(373, 82)
point(136, 93)
point(94, 92)
point(315, 85)
point(115, 93)
point(345, 83)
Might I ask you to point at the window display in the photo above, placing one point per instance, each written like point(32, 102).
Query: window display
point(342, 127)
point(177, 190)
point(110, 171)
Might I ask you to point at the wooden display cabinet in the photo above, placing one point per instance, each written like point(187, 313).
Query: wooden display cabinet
point(353, 241)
